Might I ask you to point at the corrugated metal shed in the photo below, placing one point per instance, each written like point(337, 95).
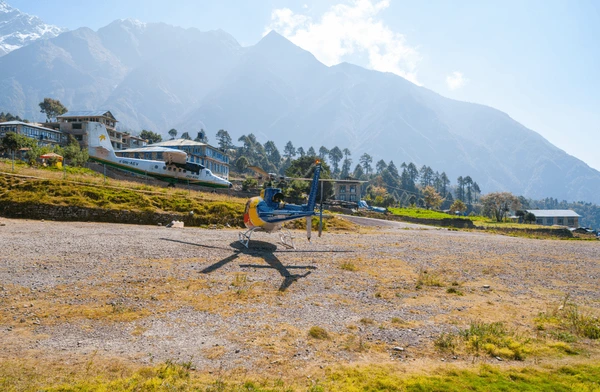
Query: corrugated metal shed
point(554, 213)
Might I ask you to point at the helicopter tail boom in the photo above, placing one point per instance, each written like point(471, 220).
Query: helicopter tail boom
point(314, 186)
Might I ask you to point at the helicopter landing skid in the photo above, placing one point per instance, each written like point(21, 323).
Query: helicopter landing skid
point(245, 236)
point(287, 239)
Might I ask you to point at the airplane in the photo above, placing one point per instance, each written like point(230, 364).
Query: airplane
point(172, 168)
point(268, 212)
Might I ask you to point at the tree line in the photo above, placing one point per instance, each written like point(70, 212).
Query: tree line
point(386, 184)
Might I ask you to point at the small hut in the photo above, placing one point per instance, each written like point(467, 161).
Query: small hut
point(52, 157)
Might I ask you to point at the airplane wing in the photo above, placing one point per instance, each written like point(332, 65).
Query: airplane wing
point(175, 157)
point(259, 171)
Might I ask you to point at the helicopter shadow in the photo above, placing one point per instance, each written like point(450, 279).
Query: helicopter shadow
point(261, 249)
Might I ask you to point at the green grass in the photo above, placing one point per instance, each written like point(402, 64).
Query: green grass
point(181, 377)
point(568, 321)
point(348, 266)
point(422, 213)
point(54, 192)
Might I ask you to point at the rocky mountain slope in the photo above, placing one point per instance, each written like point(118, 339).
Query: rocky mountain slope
point(18, 29)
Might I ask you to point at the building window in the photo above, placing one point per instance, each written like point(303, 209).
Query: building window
point(352, 188)
point(550, 221)
point(342, 188)
point(77, 126)
point(571, 221)
point(539, 221)
point(561, 221)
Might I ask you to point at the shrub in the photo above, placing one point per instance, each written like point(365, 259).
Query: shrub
point(318, 333)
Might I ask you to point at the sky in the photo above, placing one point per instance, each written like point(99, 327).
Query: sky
point(536, 60)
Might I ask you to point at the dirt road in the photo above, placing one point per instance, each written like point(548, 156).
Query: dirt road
point(148, 294)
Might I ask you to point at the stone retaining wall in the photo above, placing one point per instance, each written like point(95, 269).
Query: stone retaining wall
point(84, 214)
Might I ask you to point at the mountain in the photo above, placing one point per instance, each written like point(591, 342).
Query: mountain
point(18, 29)
point(281, 92)
point(156, 76)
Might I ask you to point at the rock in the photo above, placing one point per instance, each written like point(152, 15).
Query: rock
point(176, 224)
point(499, 359)
point(486, 286)
point(398, 349)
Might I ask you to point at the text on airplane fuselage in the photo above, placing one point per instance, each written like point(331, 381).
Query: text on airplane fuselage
point(130, 163)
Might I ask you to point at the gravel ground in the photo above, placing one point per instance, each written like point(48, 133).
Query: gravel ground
point(149, 294)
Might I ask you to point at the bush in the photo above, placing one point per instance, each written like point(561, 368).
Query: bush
point(318, 333)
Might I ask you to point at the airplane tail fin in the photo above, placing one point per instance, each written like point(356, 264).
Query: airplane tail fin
point(99, 145)
point(314, 187)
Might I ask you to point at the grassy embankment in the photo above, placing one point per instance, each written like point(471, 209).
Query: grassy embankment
point(490, 225)
point(79, 187)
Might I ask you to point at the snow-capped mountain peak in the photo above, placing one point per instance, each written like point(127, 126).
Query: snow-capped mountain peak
point(18, 29)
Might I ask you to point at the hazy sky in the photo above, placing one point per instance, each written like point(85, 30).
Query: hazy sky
point(538, 61)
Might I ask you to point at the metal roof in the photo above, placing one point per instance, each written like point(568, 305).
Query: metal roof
point(179, 143)
point(88, 113)
point(554, 213)
point(28, 125)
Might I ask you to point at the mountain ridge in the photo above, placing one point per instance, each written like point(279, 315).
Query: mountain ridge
point(156, 76)
point(18, 29)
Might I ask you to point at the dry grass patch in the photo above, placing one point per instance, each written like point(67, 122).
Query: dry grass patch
point(318, 333)
point(214, 352)
point(429, 278)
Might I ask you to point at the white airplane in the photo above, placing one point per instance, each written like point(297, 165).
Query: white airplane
point(173, 168)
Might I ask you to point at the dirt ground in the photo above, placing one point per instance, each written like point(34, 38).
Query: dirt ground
point(147, 294)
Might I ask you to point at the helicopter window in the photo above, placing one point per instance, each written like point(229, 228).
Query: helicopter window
point(278, 197)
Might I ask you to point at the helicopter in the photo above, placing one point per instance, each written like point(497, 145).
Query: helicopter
point(268, 212)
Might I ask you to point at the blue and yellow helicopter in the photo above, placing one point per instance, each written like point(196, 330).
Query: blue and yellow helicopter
point(268, 212)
